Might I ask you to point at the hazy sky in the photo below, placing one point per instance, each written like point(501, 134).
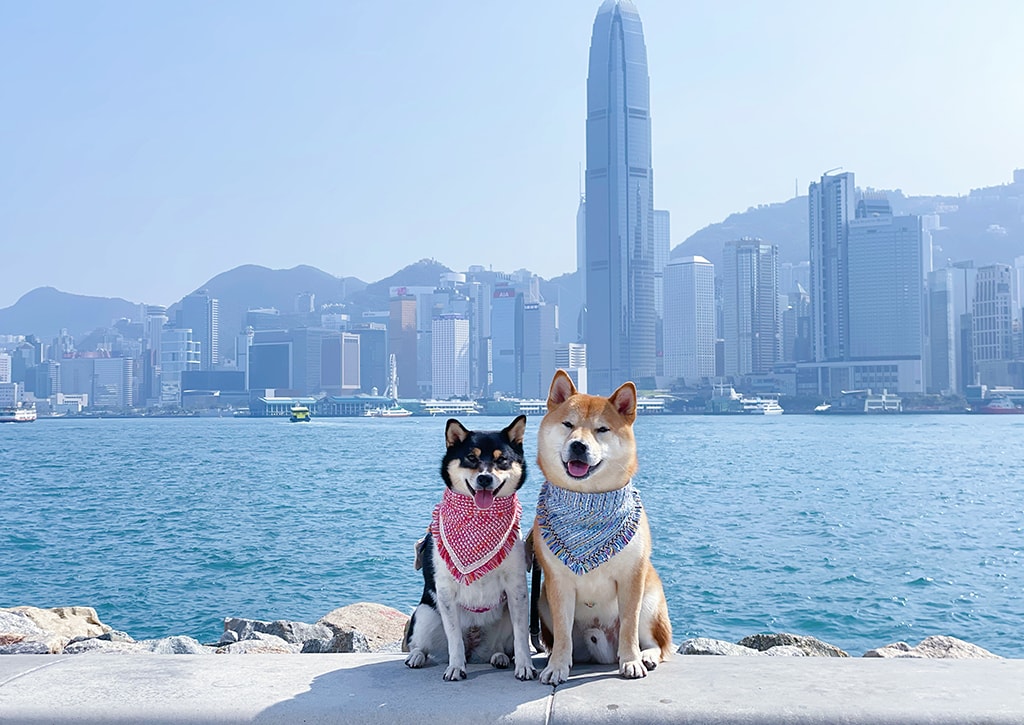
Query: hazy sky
point(148, 146)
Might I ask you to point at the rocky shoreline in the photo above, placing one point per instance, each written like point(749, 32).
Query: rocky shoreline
point(368, 627)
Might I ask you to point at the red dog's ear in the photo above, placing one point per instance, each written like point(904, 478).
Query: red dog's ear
point(561, 389)
point(624, 401)
point(454, 432)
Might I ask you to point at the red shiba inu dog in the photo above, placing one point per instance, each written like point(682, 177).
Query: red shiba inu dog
point(601, 599)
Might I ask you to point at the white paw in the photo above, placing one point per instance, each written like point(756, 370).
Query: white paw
point(500, 660)
point(454, 672)
point(416, 659)
point(526, 671)
point(650, 658)
point(554, 675)
point(633, 670)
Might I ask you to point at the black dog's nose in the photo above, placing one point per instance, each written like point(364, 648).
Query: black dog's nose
point(577, 449)
point(484, 480)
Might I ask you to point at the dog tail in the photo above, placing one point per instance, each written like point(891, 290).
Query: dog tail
point(534, 607)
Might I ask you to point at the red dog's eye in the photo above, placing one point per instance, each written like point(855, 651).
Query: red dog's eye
point(567, 424)
point(602, 429)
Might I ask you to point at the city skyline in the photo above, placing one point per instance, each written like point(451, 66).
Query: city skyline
point(182, 142)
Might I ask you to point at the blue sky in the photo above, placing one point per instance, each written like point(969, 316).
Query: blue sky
point(148, 146)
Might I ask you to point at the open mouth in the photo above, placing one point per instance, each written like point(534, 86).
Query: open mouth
point(484, 497)
point(579, 469)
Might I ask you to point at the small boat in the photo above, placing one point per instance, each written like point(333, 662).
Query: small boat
point(392, 411)
point(761, 406)
point(300, 414)
point(17, 414)
point(1001, 406)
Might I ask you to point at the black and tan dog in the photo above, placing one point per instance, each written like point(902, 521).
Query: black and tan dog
point(601, 600)
point(475, 605)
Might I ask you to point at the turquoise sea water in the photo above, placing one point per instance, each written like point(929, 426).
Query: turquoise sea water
point(858, 530)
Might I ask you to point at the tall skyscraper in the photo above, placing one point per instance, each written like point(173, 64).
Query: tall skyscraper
point(689, 322)
point(830, 208)
point(450, 357)
point(402, 342)
point(885, 287)
point(662, 247)
point(201, 313)
point(507, 341)
point(993, 322)
point(750, 304)
point(540, 336)
point(942, 359)
point(620, 320)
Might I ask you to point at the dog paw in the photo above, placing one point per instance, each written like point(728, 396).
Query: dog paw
point(633, 670)
point(552, 675)
point(525, 672)
point(416, 659)
point(650, 658)
point(500, 660)
point(454, 673)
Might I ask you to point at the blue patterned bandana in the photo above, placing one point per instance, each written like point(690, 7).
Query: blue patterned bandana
point(584, 530)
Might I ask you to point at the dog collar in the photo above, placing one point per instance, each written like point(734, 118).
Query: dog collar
point(474, 541)
point(584, 530)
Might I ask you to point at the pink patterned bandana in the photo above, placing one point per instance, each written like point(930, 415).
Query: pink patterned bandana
point(473, 541)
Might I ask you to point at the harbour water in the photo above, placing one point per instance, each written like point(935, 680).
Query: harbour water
point(859, 530)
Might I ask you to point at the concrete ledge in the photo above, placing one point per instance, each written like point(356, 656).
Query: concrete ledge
point(378, 688)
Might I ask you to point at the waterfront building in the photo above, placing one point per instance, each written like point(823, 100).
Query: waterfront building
point(450, 357)
point(540, 336)
point(885, 286)
point(373, 356)
point(178, 352)
point(340, 363)
point(47, 379)
point(621, 313)
point(796, 326)
point(993, 322)
point(507, 341)
point(689, 323)
point(964, 289)
point(830, 209)
point(572, 358)
point(750, 307)
point(201, 313)
point(402, 342)
point(942, 358)
point(5, 367)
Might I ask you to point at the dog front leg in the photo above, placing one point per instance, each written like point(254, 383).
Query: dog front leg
point(561, 599)
point(519, 612)
point(630, 597)
point(452, 621)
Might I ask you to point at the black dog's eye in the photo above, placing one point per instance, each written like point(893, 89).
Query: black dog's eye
point(503, 463)
point(567, 424)
point(472, 460)
point(602, 429)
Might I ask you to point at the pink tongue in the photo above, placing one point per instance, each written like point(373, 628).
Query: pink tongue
point(578, 468)
point(483, 499)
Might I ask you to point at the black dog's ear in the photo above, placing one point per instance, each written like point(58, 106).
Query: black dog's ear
point(515, 430)
point(455, 432)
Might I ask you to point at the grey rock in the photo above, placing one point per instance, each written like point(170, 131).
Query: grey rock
point(707, 646)
point(380, 626)
point(95, 645)
point(260, 643)
point(228, 637)
point(811, 646)
point(27, 647)
point(116, 635)
point(177, 645)
point(291, 632)
point(350, 641)
point(785, 650)
point(936, 647)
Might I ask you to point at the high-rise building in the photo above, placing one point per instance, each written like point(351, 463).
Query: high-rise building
point(373, 356)
point(450, 357)
point(885, 286)
point(750, 306)
point(572, 358)
point(689, 323)
point(5, 367)
point(830, 208)
point(964, 289)
point(540, 336)
point(178, 352)
point(941, 375)
point(402, 342)
point(662, 247)
point(507, 341)
point(201, 313)
point(621, 314)
point(993, 322)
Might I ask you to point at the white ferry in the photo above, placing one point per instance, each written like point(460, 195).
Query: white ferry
point(17, 414)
